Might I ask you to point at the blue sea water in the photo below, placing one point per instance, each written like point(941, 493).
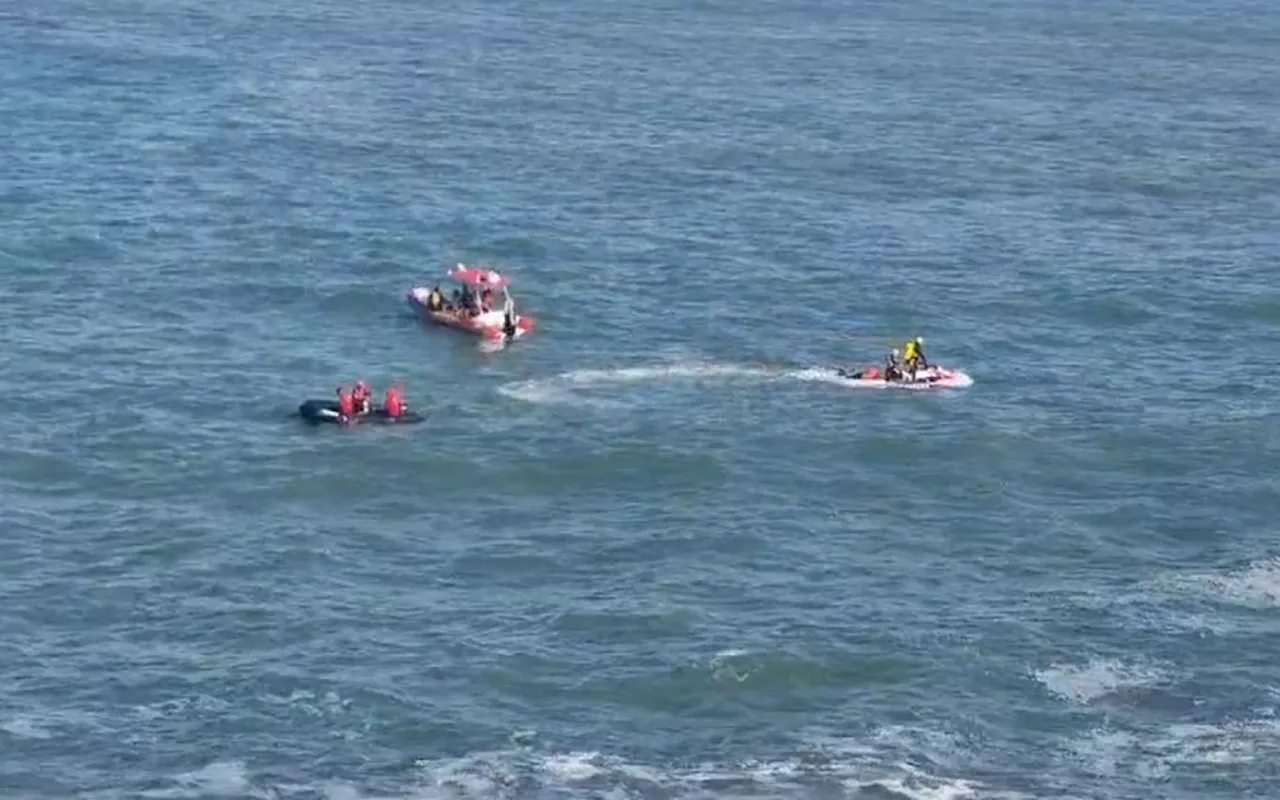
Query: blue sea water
point(655, 550)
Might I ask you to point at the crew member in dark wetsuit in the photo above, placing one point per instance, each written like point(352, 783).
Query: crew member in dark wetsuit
point(893, 366)
point(508, 316)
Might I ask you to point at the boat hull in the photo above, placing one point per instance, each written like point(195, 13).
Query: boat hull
point(931, 378)
point(487, 325)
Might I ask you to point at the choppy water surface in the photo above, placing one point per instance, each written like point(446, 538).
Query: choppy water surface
point(654, 551)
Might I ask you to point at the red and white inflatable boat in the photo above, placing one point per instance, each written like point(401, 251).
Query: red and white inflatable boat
point(478, 314)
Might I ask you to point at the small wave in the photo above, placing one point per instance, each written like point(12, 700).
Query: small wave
point(959, 790)
point(595, 774)
point(23, 728)
point(842, 771)
point(572, 766)
point(1255, 586)
point(1191, 600)
point(218, 779)
point(1098, 678)
point(1231, 743)
point(1154, 755)
point(725, 666)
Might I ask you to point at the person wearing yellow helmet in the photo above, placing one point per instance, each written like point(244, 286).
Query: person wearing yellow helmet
point(913, 356)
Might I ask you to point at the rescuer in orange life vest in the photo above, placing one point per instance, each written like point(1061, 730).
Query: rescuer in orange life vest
point(346, 404)
point(394, 402)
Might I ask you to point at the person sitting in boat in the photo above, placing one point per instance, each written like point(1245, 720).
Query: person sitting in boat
point(465, 302)
point(893, 366)
point(361, 396)
point(346, 404)
point(486, 300)
point(394, 402)
point(435, 300)
point(455, 301)
point(913, 355)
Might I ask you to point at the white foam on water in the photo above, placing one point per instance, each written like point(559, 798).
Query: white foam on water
point(217, 779)
point(496, 774)
point(485, 775)
point(1195, 600)
point(1084, 683)
point(1254, 586)
point(1230, 743)
point(568, 388)
point(821, 375)
point(573, 766)
point(623, 375)
point(1154, 755)
point(959, 790)
point(547, 393)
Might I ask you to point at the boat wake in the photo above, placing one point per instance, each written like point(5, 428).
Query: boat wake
point(573, 388)
point(577, 387)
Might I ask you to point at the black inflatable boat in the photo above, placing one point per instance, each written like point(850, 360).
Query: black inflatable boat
point(320, 411)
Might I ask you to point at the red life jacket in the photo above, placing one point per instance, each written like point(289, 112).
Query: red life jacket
point(346, 404)
point(394, 403)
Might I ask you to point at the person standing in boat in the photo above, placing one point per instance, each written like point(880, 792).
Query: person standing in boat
point(913, 356)
point(508, 315)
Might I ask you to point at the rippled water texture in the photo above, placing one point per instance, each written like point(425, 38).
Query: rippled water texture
point(657, 550)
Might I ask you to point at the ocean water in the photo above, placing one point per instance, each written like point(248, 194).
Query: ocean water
point(655, 551)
